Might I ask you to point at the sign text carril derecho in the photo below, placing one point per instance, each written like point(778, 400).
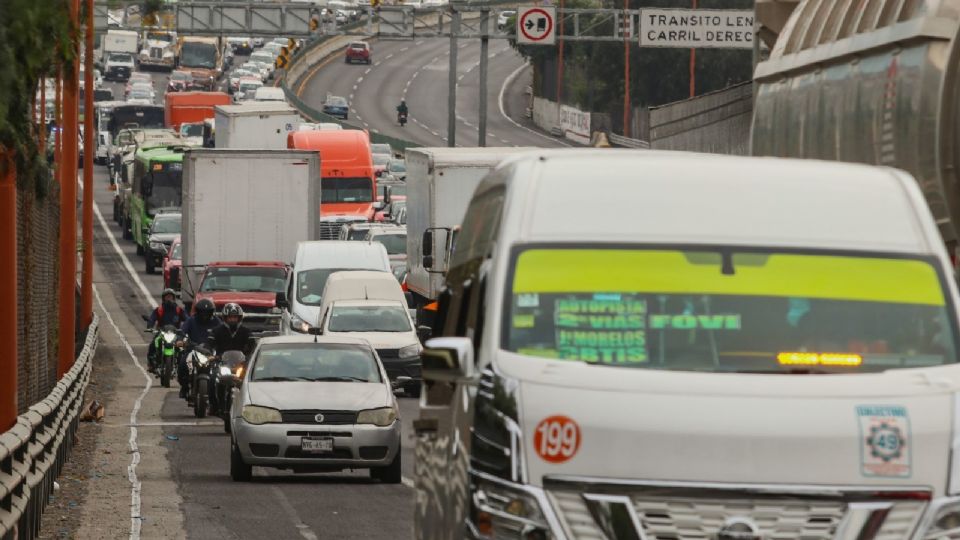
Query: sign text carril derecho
point(696, 28)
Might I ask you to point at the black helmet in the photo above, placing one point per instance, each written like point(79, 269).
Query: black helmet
point(232, 310)
point(205, 309)
point(169, 291)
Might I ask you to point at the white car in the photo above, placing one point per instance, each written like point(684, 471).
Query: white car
point(247, 89)
point(315, 404)
point(504, 18)
point(241, 73)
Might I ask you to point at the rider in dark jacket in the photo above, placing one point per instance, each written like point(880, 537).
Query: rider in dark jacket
point(197, 329)
point(229, 336)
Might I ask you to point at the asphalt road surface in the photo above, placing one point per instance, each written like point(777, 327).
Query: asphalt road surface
point(418, 72)
point(276, 504)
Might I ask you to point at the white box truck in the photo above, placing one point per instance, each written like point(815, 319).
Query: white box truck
point(246, 205)
point(440, 182)
point(255, 125)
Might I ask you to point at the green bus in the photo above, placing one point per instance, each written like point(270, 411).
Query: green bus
point(157, 183)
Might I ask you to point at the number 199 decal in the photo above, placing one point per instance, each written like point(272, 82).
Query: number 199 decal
point(556, 439)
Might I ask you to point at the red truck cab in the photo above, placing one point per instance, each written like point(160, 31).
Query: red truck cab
point(348, 185)
point(191, 107)
point(251, 284)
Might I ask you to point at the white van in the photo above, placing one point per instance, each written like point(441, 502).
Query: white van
point(708, 347)
point(372, 306)
point(269, 93)
point(314, 263)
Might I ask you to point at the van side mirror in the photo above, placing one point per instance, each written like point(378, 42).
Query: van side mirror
point(424, 333)
point(281, 301)
point(426, 247)
point(448, 359)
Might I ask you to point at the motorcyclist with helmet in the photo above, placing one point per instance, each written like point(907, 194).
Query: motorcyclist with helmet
point(402, 112)
point(230, 336)
point(197, 329)
point(167, 313)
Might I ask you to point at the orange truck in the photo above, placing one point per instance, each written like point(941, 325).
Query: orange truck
point(348, 185)
point(191, 108)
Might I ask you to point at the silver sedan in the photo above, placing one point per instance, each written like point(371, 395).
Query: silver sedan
point(315, 404)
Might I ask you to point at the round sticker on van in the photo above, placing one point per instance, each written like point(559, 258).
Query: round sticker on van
point(556, 439)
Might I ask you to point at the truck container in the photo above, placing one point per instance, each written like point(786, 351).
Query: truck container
point(191, 107)
point(257, 124)
point(347, 176)
point(246, 205)
point(440, 182)
point(876, 84)
point(121, 41)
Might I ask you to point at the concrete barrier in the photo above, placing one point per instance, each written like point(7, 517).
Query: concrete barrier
point(717, 123)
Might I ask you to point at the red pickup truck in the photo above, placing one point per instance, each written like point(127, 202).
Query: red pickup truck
point(252, 284)
point(358, 51)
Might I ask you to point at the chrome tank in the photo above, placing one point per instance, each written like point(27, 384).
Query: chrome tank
point(868, 81)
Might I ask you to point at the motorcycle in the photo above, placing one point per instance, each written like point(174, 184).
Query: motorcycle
point(402, 118)
point(167, 343)
point(201, 363)
point(229, 373)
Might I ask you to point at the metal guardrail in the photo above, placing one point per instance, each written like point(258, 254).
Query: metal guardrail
point(627, 142)
point(33, 451)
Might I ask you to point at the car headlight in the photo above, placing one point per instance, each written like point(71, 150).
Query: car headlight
point(498, 507)
point(410, 351)
point(225, 370)
point(299, 325)
point(944, 523)
point(158, 246)
point(254, 414)
point(379, 417)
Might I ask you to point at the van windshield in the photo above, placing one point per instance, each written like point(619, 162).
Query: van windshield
point(729, 310)
point(310, 284)
point(369, 319)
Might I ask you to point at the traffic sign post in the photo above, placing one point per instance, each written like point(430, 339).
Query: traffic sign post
point(536, 25)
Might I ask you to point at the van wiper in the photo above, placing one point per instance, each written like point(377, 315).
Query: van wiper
point(269, 379)
point(339, 379)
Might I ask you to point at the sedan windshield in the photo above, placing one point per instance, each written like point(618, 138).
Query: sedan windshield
point(729, 310)
point(321, 362)
point(369, 319)
point(269, 279)
point(166, 225)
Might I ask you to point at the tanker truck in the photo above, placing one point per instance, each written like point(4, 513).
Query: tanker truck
point(877, 84)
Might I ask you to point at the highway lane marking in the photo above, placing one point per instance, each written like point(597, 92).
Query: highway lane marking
point(503, 112)
point(404, 49)
point(351, 96)
point(314, 71)
point(419, 42)
point(123, 257)
point(367, 72)
point(305, 531)
point(135, 485)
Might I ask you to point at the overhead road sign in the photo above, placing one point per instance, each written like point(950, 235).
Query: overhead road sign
point(696, 28)
point(536, 25)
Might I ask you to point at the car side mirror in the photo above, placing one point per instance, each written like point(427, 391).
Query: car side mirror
point(281, 301)
point(400, 381)
point(448, 359)
point(424, 333)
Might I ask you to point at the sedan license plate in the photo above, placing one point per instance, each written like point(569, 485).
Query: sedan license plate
point(316, 445)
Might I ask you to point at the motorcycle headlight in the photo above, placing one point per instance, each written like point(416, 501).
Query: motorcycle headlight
point(169, 337)
point(224, 370)
point(257, 415)
point(202, 359)
point(299, 325)
point(500, 509)
point(410, 351)
point(379, 417)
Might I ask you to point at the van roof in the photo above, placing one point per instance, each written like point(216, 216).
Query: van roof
point(362, 285)
point(341, 254)
point(251, 108)
point(677, 197)
point(466, 157)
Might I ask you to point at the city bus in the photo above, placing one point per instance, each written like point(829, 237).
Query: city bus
point(157, 183)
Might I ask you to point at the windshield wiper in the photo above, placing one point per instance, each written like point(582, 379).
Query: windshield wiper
point(338, 379)
point(269, 379)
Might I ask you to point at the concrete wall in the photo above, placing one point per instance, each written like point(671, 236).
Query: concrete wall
point(717, 123)
point(546, 115)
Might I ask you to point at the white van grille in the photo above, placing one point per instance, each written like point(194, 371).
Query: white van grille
point(666, 517)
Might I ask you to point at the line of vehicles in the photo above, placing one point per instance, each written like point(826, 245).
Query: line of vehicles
point(605, 344)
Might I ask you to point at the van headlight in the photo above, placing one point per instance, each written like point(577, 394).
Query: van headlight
point(379, 417)
point(410, 351)
point(299, 325)
point(944, 522)
point(254, 414)
point(505, 511)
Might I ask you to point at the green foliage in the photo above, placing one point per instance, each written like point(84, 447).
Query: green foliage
point(594, 71)
point(35, 36)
